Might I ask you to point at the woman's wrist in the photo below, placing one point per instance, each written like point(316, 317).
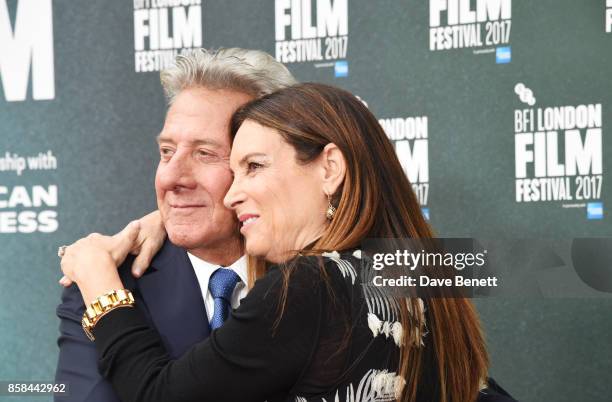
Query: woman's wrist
point(91, 290)
point(103, 305)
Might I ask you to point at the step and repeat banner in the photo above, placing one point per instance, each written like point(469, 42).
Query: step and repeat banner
point(500, 112)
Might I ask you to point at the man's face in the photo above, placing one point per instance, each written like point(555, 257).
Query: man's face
point(193, 173)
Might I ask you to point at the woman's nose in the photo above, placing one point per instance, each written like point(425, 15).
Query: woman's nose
point(235, 196)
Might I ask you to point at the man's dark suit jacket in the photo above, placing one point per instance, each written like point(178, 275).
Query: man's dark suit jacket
point(170, 296)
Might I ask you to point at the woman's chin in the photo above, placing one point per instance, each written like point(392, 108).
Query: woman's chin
point(254, 250)
point(260, 252)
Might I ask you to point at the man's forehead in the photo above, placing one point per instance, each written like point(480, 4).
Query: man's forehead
point(194, 132)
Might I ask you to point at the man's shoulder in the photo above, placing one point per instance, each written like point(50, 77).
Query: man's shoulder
point(168, 254)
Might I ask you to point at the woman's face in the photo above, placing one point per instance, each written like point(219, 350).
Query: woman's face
point(280, 204)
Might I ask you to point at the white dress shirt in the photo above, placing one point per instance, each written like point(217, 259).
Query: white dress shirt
point(204, 269)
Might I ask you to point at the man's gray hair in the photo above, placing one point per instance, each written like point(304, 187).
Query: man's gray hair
point(243, 70)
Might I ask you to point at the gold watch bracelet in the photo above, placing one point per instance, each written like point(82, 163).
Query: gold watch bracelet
point(102, 306)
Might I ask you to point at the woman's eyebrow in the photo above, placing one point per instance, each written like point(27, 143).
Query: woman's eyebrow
point(249, 155)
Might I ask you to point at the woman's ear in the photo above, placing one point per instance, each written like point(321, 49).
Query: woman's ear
point(334, 168)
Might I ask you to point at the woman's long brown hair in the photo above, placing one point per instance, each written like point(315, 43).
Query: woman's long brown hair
point(376, 201)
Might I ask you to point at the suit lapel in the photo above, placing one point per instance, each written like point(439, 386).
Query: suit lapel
point(173, 298)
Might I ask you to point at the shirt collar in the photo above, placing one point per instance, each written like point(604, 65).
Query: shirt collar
point(207, 268)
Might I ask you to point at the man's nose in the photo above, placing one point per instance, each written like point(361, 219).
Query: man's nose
point(177, 172)
point(235, 196)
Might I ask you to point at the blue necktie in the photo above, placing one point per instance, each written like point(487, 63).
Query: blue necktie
point(221, 285)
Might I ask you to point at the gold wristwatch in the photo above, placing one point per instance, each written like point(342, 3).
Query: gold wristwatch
point(102, 305)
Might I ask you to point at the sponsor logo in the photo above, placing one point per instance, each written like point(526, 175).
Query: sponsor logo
point(28, 209)
point(503, 55)
point(558, 151)
point(163, 29)
point(341, 69)
point(28, 46)
point(595, 210)
point(425, 212)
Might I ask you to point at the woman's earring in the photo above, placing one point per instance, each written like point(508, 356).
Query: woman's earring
point(331, 210)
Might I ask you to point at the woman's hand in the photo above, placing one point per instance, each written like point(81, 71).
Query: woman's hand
point(147, 243)
point(150, 239)
point(92, 261)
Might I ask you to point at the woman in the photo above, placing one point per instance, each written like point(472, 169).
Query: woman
point(314, 176)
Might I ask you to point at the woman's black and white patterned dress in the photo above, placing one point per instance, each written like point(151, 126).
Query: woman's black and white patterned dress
point(333, 339)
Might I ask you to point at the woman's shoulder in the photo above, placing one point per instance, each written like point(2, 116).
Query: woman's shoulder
point(329, 265)
point(301, 286)
point(305, 274)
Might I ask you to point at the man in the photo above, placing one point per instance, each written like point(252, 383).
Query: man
point(179, 292)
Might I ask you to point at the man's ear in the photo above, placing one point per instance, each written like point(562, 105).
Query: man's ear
point(333, 168)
